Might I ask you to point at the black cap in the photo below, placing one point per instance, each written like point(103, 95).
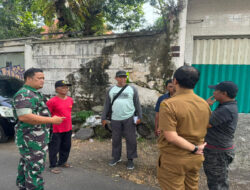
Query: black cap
point(226, 86)
point(121, 74)
point(61, 83)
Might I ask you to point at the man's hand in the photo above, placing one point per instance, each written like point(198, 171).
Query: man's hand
point(34, 119)
point(138, 121)
point(57, 120)
point(157, 132)
point(201, 148)
point(210, 101)
point(104, 122)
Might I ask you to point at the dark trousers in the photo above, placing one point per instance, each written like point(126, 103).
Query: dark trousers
point(216, 168)
point(127, 129)
point(60, 143)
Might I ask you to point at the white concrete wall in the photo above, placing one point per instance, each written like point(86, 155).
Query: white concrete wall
point(140, 54)
point(60, 58)
point(216, 17)
point(181, 41)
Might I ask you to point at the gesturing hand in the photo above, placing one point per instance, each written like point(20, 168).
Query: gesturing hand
point(57, 120)
point(210, 100)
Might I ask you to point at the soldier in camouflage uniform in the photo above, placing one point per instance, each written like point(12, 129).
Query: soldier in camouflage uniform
point(32, 130)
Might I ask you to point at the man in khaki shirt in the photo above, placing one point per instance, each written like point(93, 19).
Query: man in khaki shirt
point(183, 120)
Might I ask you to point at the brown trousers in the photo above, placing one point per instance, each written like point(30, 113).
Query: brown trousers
point(179, 172)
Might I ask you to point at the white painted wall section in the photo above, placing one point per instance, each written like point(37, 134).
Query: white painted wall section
point(215, 17)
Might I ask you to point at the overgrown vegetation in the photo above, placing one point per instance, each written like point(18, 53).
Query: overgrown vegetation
point(20, 18)
point(81, 116)
point(169, 24)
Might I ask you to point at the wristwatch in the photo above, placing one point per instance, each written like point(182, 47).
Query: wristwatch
point(195, 149)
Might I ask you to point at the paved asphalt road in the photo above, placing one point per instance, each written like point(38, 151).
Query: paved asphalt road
point(69, 179)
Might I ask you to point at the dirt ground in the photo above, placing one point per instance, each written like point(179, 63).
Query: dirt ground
point(95, 155)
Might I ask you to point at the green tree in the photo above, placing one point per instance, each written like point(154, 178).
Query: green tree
point(75, 15)
point(94, 16)
point(18, 18)
point(169, 24)
point(126, 14)
point(158, 25)
point(169, 11)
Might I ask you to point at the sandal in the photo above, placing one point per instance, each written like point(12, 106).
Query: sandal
point(66, 165)
point(55, 170)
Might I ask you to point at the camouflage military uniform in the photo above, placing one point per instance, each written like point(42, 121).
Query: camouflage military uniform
point(31, 140)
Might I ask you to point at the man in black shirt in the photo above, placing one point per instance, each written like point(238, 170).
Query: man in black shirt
point(219, 151)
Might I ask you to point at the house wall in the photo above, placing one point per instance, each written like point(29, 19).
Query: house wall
point(215, 17)
point(12, 58)
point(91, 63)
point(219, 30)
point(218, 39)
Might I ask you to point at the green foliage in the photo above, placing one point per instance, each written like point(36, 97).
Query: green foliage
point(169, 11)
point(81, 116)
point(18, 19)
point(101, 133)
point(141, 140)
point(94, 16)
point(169, 24)
point(127, 14)
point(158, 25)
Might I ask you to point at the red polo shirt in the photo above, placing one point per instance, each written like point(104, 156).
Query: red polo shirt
point(62, 108)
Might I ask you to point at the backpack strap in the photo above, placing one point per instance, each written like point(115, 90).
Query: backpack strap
point(118, 94)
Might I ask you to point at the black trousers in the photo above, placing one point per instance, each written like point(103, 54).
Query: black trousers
point(60, 143)
point(216, 168)
point(127, 128)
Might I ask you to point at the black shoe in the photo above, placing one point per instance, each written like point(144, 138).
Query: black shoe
point(130, 164)
point(114, 161)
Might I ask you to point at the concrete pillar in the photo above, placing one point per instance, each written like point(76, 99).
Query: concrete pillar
point(182, 34)
point(28, 60)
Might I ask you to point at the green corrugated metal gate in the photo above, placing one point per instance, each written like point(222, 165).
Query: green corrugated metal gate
point(222, 59)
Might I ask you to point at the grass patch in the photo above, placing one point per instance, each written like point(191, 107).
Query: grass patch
point(81, 116)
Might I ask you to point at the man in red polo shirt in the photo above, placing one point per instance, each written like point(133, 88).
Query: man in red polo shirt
point(60, 105)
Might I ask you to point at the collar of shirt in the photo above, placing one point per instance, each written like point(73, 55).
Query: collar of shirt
point(184, 91)
point(30, 88)
point(167, 94)
point(227, 103)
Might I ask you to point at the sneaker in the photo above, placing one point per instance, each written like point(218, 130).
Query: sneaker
point(114, 161)
point(130, 164)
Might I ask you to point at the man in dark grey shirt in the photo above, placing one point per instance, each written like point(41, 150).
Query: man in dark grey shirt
point(219, 151)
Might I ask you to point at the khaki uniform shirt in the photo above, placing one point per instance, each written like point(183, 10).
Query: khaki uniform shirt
point(188, 115)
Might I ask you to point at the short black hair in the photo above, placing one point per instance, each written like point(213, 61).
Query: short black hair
point(168, 81)
point(187, 76)
point(31, 72)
